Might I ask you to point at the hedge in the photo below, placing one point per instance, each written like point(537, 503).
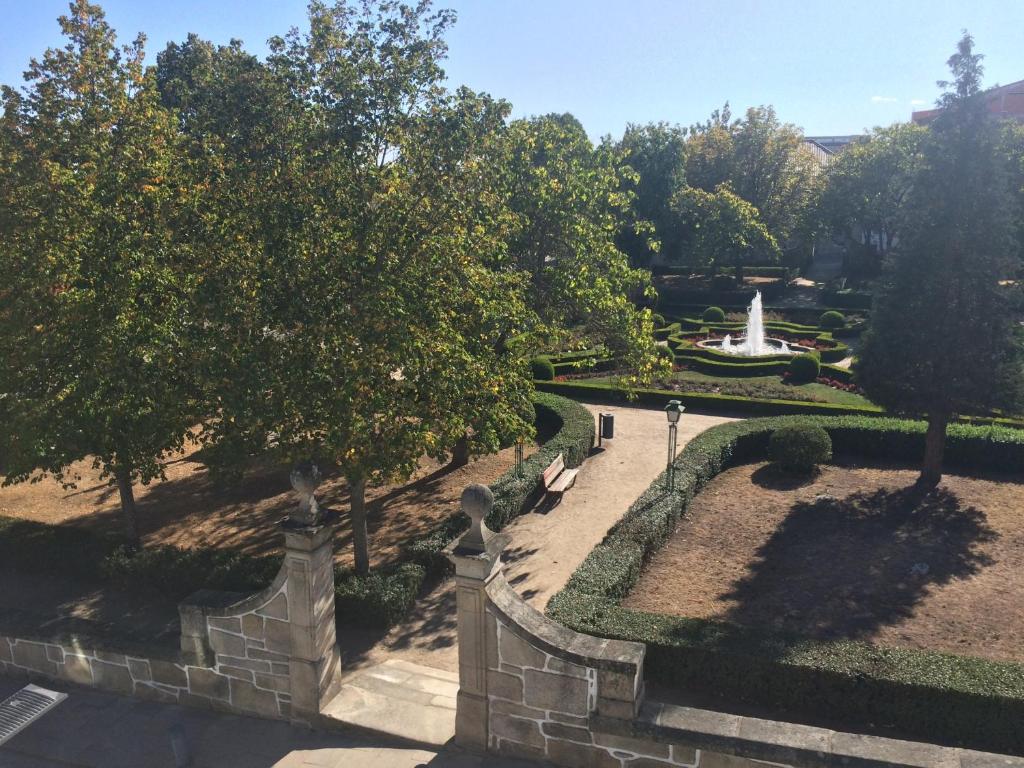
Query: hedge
point(925, 695)
point(658, 398)
point(379, 599)
point(574, 433)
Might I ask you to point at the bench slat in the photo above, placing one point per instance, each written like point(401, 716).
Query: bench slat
point(553, 470)
point(564, 481)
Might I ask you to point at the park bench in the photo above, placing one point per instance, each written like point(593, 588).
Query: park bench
point(558, 479)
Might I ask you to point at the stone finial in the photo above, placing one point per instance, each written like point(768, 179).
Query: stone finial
point(477, 501)
point(305, 478)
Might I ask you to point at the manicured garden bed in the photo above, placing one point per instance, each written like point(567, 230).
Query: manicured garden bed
point(924, 695)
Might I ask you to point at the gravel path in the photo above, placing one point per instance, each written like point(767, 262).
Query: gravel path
point(546, 548)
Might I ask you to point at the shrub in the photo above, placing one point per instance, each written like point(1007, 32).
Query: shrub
point(804, 368)
point(666, 353)
point(542, 368)
point(832, 320)
point(800, 447)
point(713, 315)
point(928, 696)
point(379, 599)
point(659, 320)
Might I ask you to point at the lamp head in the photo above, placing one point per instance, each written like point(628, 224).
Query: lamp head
point(673, 411)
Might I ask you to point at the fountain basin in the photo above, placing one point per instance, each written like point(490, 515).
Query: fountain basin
point(770, 347)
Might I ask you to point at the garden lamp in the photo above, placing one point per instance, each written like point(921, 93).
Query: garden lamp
point(673, 411)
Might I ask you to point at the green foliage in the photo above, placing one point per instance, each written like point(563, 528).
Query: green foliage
point(804, 367)
point(867, 184)
point(666, 353)
point(656, 153)
point(542, 369)
point(180, 572)
point(930, 696)
point(943, 339)
point(713, 315)
point(799, 448)
point(96, 348)
point(658, 320)
point(381, 598)
point(832, 319)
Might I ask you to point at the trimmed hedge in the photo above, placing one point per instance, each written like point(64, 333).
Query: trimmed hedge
point(379, 599)
point(799, 448)
point(542, 368)
point(713, 315)
point(574, 436)
point(658, 398)
point(804, 368)
point(930, 696)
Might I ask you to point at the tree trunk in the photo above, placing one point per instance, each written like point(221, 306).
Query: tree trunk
point(739, 275)
point(934, 448)
point(460, 452)
point(360, 540)
point(129, 515)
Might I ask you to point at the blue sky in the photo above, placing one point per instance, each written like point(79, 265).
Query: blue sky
point(830, 67)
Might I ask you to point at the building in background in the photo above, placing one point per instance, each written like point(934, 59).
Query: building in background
point(1004, 101)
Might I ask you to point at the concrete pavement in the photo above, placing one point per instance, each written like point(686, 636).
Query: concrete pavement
point(92, 729)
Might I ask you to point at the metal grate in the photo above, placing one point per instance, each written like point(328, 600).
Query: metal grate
point(19, 711)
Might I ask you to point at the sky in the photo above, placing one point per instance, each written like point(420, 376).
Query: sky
point(828, 67)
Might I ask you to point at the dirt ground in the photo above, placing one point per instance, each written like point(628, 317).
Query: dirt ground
point(847, 556)
point(188, 509)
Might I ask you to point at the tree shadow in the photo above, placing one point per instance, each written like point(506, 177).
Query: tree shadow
point(843, 568)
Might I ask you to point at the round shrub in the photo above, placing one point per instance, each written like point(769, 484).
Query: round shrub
point(659, 320)
point(542, 368)
point(713, 315)
point(832, 320)
point(799, 447)
point(804, 368)
point(665, 352)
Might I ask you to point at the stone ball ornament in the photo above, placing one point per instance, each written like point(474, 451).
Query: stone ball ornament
point(305, 479)
point(477, 500)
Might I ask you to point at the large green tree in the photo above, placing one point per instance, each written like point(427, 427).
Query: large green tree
point(942, 340)
point(95, 359)
point(348, 296)
point(657, 154)
point(568, 199)
point(868, 181)
point(765, 162)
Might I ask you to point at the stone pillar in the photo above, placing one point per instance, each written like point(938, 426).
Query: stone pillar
point(476, 557)
point(314, 668)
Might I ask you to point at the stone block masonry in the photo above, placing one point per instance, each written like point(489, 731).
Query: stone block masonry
point(272, 654)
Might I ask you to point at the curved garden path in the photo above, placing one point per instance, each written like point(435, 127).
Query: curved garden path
point(545, 548)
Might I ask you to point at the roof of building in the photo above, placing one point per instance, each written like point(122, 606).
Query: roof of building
point(1003, 101)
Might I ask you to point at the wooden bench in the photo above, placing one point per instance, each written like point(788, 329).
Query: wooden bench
point(558, 479)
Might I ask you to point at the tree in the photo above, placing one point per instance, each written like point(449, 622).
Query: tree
point(765, 162)
point(657, 154)
point(568, 200)
point(942, 341)
point(867, 183)
point(348, 300)
point(94, 320)
point(723, 229)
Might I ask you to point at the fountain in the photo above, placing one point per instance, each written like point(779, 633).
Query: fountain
point(753, 342)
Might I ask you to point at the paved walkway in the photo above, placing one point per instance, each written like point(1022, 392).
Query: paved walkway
point(92, 729)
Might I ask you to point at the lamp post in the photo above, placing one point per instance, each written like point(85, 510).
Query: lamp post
point(673, 411)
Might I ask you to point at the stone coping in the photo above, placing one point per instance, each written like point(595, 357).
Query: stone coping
point(219, 603)
point(79, 632)
point(799, 746)
point(530, 625)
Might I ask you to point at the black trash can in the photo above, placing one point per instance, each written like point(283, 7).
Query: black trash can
point(607, 426)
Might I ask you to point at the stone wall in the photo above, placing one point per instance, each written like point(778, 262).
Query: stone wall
point(272, 654)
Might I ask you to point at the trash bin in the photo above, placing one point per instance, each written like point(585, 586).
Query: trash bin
point(607, 426)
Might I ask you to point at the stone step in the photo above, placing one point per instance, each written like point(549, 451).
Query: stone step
point(399, 699)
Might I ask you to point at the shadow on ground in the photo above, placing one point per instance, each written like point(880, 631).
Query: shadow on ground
point(842, 568)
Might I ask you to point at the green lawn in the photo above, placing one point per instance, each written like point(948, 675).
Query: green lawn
point(766, 387)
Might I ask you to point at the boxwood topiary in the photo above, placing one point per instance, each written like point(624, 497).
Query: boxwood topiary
point(803, 368)
point(542, 368)
point(659, 320)
point(666, 353)
point(832, 320)
point(799, 447)
point(713, 315)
